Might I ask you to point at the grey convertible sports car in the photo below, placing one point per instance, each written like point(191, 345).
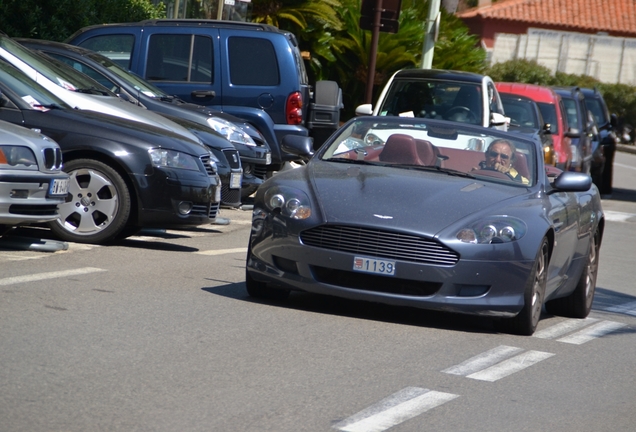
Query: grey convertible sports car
point(433, 215)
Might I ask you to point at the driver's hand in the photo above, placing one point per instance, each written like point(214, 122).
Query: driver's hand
point(501, 168)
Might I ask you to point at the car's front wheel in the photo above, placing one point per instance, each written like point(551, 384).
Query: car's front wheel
point(579, 303)
point(97, 206)
point(525, 323)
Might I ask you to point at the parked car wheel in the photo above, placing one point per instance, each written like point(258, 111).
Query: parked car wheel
point(525, 323)
point(579, 303)
point(97, 206)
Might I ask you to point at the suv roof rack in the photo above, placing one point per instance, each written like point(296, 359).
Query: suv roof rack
point(210, 23)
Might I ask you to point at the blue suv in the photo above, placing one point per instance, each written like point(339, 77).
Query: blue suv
point(253, 71)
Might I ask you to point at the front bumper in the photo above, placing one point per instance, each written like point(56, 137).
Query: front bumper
point(162, 194)
point(480, 287)
point(24, 198)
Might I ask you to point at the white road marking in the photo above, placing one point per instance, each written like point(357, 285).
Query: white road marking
point(563, 327)
point(510, 366)
point(483, 360)
point(49, 275)
point(597, 330)
point(397, 408)
point(627, 308)
point(615, 216)
point(223, 251)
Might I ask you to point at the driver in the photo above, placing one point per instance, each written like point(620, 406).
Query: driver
point(499, 157)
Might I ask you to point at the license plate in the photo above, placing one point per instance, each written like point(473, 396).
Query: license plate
point(235, 180)
point(268, 159)
point(59, 187)
point(372, 265)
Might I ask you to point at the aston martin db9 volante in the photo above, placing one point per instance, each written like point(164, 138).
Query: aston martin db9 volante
point(437, 215)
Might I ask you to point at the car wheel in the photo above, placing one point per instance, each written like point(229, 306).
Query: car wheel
point(525, 323)
point(579, 303)
point(97, 206)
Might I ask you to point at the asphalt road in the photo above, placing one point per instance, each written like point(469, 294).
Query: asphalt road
point(158, 334)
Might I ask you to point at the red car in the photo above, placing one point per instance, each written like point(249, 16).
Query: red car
point(552, 112)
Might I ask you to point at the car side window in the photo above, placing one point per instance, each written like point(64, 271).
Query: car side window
point(252, 62)
point(116, 47)
point(169, 58)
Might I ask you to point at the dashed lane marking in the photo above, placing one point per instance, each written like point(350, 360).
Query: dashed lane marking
point(592, 332)
point(223, 251)
point(563, 327)
point(627, 308)
point(397, 408)
point(616, 216)
point(49, 275)
point(497, 363)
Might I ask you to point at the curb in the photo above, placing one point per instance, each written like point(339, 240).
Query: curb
point(627, 148)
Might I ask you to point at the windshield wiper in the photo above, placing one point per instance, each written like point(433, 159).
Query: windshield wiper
point(49, 106)
point(92, 90)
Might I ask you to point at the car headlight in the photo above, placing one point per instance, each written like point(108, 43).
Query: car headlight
point(17, 157)
point(173, 159)
point(497, 229)
point(292, 203)
point(230, 131)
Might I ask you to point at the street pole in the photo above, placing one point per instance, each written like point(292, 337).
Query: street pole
point(375, 36)
point(432, 24)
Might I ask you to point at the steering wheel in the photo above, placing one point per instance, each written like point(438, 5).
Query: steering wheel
point(472, 118)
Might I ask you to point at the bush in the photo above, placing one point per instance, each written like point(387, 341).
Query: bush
point(523, 71)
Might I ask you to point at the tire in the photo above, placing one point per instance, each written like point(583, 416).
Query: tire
point(97, 207)
point(579, 303)
point(525, 323)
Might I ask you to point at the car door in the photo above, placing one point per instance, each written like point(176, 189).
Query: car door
point(185, 64)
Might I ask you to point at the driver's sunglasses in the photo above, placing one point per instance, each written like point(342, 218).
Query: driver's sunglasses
point(494, 154)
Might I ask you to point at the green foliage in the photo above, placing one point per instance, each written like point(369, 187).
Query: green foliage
point(521, 70)
point(57, 20)
point(456, 49)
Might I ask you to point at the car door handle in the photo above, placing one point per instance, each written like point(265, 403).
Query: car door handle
point(203, 93)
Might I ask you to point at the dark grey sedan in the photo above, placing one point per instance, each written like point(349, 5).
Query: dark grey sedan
point(433, 215)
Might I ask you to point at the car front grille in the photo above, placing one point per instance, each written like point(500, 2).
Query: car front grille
point(214, 210)
point(373, 282)
point(230, 197)
point(208, 166)
point(380, 244)
point(53, 159)
point(260, 171)
point(33, 210)
point(232, 158)
point(200, 209)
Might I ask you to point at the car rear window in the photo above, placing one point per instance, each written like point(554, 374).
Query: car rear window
point(253, 62)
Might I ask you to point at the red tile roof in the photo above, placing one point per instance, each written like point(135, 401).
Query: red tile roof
point(586, 16)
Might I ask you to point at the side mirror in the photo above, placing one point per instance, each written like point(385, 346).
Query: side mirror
point(547, 128)
point(497, 119)
point(573, 133)
point(299, 145)
point(613, 120)
point(364, 110)
point(570, 181)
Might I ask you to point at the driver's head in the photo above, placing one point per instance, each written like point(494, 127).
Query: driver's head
point(500, 151)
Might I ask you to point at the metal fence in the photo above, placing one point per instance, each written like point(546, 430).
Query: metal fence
point(606, 58)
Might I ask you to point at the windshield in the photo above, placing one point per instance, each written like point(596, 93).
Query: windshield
point(28, 90)
point(441, 147)
point(521, 112)
point(129, 77)
point(449, 100)
point(548, 112)
point(56, 71)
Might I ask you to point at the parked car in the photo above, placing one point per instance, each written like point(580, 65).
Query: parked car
point(32, 183)
point(252, 147)
point(64, 80)
point(580, 129)
point(462, 97)
point(607, 124)
point(426, 225)
point(253, 71)
point(525, 117)
point(552, 111)
point(124, 175)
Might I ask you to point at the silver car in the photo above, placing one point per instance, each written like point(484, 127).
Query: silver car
point(32, 183)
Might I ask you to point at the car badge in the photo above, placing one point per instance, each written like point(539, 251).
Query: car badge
point(383, 216)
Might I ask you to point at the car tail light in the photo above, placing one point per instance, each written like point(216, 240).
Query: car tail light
point(294, 109)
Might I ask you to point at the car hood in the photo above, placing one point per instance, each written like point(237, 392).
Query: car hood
point(415, 200)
